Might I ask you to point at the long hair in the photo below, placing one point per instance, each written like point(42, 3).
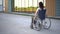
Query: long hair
point(41, 5)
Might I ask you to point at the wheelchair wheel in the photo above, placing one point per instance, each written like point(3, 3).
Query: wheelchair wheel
point(38, 25)
point(47, 23)
point(35, 24)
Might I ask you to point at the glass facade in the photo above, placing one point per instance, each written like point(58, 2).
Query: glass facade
point(26, 5)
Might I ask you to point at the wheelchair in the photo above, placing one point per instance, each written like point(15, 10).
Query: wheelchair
point(38, 24)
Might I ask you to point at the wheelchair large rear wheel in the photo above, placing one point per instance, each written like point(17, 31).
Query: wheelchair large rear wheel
point(38, 25)
point(47, 23)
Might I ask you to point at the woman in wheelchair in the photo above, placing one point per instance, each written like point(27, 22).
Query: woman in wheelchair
point(40, 14)
point(41, 11)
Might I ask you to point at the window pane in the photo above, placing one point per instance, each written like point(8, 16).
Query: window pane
point(1, 5)
point(27, 5)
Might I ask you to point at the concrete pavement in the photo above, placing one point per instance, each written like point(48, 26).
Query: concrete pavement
point(18, 24)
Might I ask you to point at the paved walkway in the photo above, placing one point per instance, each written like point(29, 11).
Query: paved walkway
point(18, 24)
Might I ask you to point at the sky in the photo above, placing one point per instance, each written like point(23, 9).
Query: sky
point(26, 3)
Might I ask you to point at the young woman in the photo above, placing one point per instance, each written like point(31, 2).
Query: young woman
point(40, 13)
